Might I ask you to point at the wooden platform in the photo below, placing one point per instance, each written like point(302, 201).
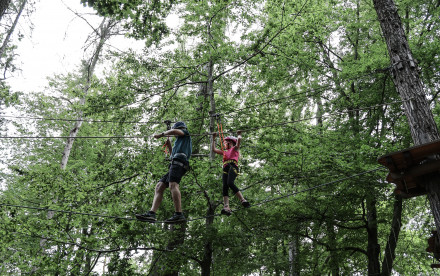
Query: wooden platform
point(407, 167)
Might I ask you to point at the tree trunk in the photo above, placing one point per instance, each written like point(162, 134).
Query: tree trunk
point(104, 35)
point(11, 30)
point(293, 256)
point(410, 88)
point(207, 252)
point(212, 105)
point(333, 259)
point(89, 71)
point(373, 248)
point(387, 263)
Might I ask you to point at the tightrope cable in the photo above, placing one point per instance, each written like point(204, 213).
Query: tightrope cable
point(197, 218)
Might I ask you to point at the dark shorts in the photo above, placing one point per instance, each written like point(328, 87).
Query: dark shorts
point(174, 174)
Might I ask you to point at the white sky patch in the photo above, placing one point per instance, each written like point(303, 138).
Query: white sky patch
point(54, 46)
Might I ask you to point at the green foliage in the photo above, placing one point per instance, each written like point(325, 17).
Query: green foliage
point(145, 19)
point(307, 83)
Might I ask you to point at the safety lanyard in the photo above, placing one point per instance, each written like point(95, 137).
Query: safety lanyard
point(168, 123)
point(166, 148)
point(220, 131)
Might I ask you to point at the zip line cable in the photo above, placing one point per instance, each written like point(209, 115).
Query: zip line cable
point(78, 120)
point(317, 117)
point(156, 122)
point(320, 89)
point(198, 218)
point(77, 137)
point(314, 91)
point(205, 134)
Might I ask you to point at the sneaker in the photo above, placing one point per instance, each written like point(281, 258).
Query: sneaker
point(148, 216)
point(226, 212)
point(245, 204)
point(176, 219)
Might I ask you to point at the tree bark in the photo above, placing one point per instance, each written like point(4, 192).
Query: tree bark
point(387, 263)
point(11, 30)
point(405, 74)
point(410, 88)
point(373, 248)
point(89, 71)
point(207, 251)
point(293, 256)
point(212, 106)
point(332, 243)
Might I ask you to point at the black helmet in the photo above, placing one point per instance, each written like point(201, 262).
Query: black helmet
point(179, 125)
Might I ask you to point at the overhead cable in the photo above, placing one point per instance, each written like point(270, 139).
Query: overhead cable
point(205, 134)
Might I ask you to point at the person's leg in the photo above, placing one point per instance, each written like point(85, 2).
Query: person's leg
point(226, 209)
point(175, 194)
point(176, 174)
point(158, 196)
point(150, 216)
point(226, 203)
point(233, 173)
point(225, 191)
point(243, 201)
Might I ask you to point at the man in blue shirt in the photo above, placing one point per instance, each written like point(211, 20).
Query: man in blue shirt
point(180, 154)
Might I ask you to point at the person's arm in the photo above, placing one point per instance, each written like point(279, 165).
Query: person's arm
point(214, 149)
point(237, 146)
point(168, 133)
point(171, 132)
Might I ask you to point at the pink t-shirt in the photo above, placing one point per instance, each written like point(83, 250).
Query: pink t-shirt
point(231, 154)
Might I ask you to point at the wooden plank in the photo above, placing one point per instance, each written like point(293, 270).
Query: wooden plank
point(411, 192)
point(409, 183)
point(415, 171)
point(407, 186)
point(404, 159)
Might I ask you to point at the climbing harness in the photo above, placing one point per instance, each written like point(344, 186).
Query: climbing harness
point(230, 161)
point(178, 163)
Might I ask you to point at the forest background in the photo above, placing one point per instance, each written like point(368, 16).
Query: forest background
point(308, 82)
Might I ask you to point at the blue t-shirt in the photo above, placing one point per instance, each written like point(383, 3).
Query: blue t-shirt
point(182, 148)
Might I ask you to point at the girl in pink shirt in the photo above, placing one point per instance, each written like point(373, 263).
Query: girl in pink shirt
point(230, 169)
